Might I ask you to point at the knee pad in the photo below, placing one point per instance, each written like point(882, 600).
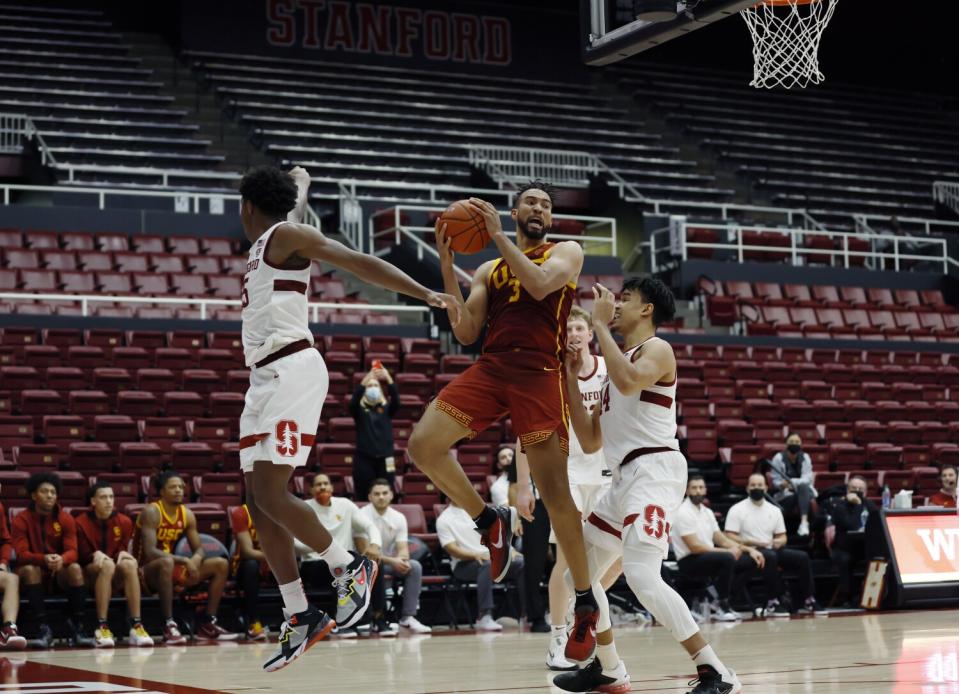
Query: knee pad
point(641, 565)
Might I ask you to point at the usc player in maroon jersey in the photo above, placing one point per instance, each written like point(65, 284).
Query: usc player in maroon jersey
point(522, 299)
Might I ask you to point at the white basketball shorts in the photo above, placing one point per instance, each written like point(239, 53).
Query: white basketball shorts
point(282, 410)
point(585, 496)
point(647, 493)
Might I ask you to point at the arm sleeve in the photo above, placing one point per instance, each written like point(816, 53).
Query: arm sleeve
point(734, 523)
point(70, 553)
point(776, 468)
point(21, 542)
point(780, 521)
point(355, 401)
point(444, 532)
point(713, 523)
point(394, 405)
point(682, 525)
point(403, 531)
point(363, 525)
point(807, 477)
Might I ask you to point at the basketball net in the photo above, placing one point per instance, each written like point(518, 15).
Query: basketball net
point(786, 35)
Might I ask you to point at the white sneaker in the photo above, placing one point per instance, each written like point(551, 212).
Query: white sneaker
point(487, 623)
point(555, 656)
point(803, 530)
point(415, 626)
point(139, 636)
point(723, 613)
point(103, 637)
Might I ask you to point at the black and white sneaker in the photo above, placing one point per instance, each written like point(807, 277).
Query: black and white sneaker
point(710, 682)
point(353, 586)
point(593, 678)
point(298, 633)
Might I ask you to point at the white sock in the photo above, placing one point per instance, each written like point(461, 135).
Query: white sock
point(294, 597)
point(708, 656)
point(608, 657)
point(336, 557)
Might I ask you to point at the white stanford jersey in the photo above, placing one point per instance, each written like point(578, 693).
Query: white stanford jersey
point(588, 468)
point(644, 420)
point(275, 309)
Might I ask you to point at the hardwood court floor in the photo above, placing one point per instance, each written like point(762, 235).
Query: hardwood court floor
point(893, 653)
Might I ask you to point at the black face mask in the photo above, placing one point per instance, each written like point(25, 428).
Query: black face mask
point(860, 495)
point(794, 448)
point(697, 498)
point(756, 494)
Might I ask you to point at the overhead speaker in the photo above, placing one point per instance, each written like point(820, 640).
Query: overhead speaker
point(654, 10)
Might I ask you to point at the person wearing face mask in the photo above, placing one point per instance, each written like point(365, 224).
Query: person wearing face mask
point(373, 407)
point(792, 481)
point(757, 523)
point(851, 515)
point(499, 490)
point(704, 552)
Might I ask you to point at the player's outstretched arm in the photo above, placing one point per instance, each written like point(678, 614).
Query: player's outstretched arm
point(585, 426)
point(302, 180)
point(654, 363)
point(563, 265)
point(308, 242)
point(472, 310)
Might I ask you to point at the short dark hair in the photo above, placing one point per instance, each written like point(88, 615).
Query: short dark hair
point(381, 481)
point(164, 477)
point(271, 191)
point(858, 477)
point(655, 292)
point(95, 487)
point(694, 478)
point(537, 185)
point(38, 478)
point(948, 466)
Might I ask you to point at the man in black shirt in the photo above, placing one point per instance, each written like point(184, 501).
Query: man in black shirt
point(851, 516)
point(373, 412)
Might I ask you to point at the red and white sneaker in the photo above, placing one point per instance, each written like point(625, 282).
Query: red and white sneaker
point(10, 639)
point(211, 631)
point(499, 540)
point(582, 639)
point(172, 635)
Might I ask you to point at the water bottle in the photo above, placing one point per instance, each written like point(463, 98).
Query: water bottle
point(886, 497)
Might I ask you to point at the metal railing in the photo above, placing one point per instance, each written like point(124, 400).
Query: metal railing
point(15, 128)
point(205, 305)
point(191, 198)
point(399, 230)
point(883, 246)
point(947, 193)
point(351, 216)
point(441, 193)
point(564, 168)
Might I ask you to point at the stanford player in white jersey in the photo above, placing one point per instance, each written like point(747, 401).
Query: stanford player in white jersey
point(635, 424)
point(288, 384)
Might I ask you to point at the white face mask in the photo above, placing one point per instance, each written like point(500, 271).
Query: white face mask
point(374, 394)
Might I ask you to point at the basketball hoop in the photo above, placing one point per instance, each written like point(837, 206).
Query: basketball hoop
point(786, 35)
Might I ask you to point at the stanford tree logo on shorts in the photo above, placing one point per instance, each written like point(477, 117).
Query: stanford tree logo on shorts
point(287, 438)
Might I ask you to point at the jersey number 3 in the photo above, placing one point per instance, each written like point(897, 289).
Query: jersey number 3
point(654, 522)
point(501, 277)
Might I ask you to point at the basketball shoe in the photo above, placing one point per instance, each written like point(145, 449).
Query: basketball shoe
point(593, 678)
point(555, 659)
point(138, 635)
point(172, 635)
point(103, 637)
point(711, 682)
point(582, 638)
point(498, 538)
point(211, 631)
point(10, 639)
point(298, 633)
point(353, 586)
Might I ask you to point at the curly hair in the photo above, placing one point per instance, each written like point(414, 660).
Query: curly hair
point(537, 185)
point(271, 191)
point(39, 478)
point(164, 477)
point(655, 292)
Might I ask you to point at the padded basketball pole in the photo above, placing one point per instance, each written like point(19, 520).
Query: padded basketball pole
point(602, 48)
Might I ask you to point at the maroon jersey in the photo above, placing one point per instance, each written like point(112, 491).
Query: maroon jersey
point(517, 321)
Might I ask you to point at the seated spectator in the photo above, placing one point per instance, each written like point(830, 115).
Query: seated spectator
point(159, 528)
point(373, 413)
point(755, 522)
point(396, 561)
point(703, 551)
point(349, 528)
point(499, 490)
point(850, 516)
point(459, 538)
point(103, 536)
point(792, 482)
point(10, 639)
point(249, 567)
point(946, 496)
point(45, 540)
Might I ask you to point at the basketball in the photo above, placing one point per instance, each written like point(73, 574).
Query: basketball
point(465, 228)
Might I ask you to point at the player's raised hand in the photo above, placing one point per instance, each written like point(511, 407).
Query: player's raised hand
point(300, 176)
point(604, 306)
point(443, 245)
point(494, 224)
point(452, 306)
point(574, 362)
